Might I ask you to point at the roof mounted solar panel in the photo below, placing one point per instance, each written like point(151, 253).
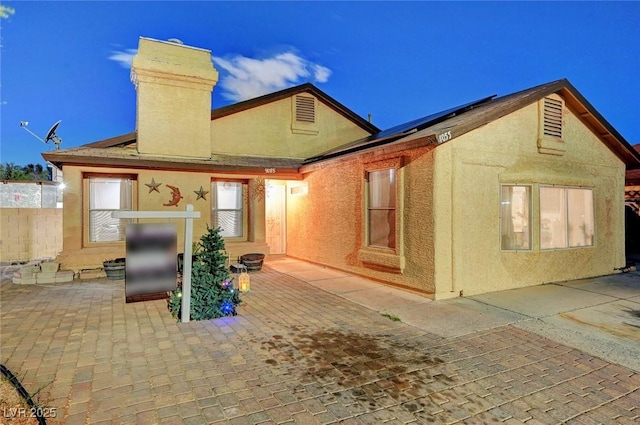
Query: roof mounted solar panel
point(429, 120)
point(393, 133)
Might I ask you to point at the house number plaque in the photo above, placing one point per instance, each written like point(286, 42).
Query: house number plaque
point(443, 137)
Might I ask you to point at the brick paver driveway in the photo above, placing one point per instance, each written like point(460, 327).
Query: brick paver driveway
point(295, 354)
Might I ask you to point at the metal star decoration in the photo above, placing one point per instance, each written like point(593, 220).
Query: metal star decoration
point(201, 193)
point(153, 186)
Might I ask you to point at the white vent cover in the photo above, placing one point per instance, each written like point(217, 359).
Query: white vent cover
point(552, 118)
point(305, 109)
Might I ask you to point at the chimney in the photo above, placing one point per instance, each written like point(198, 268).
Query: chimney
point(173, 105)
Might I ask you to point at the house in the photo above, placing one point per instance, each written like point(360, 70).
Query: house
point(182, 153)
point(498, 193)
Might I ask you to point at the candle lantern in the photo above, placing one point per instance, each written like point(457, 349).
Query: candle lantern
point(244, 281)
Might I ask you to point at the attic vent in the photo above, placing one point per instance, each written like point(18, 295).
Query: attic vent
point(550, 117)
point(305, 109)
point(552, 125)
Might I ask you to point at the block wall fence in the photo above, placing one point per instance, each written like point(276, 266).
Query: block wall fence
point(30, 233)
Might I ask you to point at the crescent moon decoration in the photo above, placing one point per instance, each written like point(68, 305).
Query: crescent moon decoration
point(153, 186)
point(175, 196)
point(201, 193)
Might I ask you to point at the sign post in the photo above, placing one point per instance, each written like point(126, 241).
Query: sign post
point(188, 217)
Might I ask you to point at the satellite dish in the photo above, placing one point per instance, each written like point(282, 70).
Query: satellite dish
point(52, 136)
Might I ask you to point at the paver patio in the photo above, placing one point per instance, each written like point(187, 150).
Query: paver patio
point(294, 354)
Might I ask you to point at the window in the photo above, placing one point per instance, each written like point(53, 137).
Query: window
point(566, 217)
point(382, 238)
point(228, 208)
point(515, 218)
point(108, 194)
point(381, 208)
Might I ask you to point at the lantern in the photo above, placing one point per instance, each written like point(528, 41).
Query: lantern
point(244, 281)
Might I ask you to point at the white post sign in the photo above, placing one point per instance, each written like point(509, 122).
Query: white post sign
point(188, 217)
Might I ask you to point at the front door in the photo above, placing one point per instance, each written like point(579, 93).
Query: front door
point(275, 217)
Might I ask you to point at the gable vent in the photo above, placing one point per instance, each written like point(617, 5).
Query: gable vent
point(305, 109)
point(552, 118)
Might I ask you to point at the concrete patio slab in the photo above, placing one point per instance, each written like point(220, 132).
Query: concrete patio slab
point(383, 298)
point(624, 285)
point(543, 300)
point(345, 284)
point(317, 273)
point(620, 318)
point(455, 317)
point(285, 265)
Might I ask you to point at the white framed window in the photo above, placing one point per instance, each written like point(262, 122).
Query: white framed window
point(229, 208)
point(566, 217)
point(515, 218)
point(381, 208)
point(106, 195)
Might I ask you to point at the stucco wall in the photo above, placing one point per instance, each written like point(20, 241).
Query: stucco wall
point(451, 223)
point(326, 225)
point(266, 131)
point(30, 233)
point(470, 170)
point(78, 253)
point(173, 103)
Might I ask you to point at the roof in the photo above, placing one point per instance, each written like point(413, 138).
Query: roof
point(120, 150)
point(283, 94)
point(398, 131)
point(113, 152)
point(473, 115)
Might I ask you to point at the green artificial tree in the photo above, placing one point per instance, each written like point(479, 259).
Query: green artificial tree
point(212, 291)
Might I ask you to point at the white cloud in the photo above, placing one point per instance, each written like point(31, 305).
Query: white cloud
point(244, 78)
point(124, 58)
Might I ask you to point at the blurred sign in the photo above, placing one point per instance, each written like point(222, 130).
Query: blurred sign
point(151, 260)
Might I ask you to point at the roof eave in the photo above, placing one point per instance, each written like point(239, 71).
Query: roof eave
point(611, 137)
point(58, 159)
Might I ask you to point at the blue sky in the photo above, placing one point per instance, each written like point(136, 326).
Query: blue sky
point(398, 61)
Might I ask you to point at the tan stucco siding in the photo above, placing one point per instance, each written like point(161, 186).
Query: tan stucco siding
point(79, 254)
point(266, 131)
point(174, 84)
point(174, 121)
point(326, 226)
point(470, 170)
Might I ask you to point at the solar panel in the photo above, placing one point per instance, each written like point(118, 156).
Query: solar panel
point(398, 130)
point(429, 120)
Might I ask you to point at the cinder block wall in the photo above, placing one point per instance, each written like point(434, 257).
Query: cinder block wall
point(29, 233)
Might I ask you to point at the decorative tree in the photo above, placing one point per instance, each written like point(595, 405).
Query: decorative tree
point(212, 291)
